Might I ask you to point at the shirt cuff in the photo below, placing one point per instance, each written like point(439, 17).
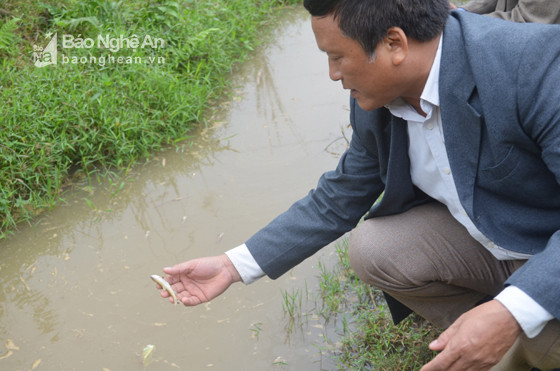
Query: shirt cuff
point(246, 265)
point(530, 315)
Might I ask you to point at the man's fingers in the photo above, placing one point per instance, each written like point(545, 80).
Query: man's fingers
point(442, 362)
point(441, 342)
point(190, 301)
point(445, 359)
point(174, 270)
point(436, 345)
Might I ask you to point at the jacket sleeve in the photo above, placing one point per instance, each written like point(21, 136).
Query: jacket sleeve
point(540, 116)
point(525, 11)
point(480, 6)
point(341, 198)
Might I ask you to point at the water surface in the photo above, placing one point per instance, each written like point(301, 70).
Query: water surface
point(75, 288)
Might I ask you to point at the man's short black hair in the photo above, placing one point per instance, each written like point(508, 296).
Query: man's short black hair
point(367, 21)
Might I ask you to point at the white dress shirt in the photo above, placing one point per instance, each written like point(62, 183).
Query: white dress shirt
point(430, 171)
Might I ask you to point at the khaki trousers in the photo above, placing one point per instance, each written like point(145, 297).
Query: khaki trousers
point(427, 260)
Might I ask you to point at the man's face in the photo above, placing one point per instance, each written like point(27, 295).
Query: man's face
point(374, 83)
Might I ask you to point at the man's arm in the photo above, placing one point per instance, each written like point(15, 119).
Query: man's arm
point(341, 198)
point(534, 11)
point(480, 6)
point(538, 97)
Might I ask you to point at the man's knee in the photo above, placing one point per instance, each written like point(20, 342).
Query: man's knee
point(397, 252)
point(374, 251)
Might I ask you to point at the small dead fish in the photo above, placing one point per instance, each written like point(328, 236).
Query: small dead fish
point(166, 286)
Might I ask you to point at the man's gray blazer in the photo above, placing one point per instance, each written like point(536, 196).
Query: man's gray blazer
point(500, 107)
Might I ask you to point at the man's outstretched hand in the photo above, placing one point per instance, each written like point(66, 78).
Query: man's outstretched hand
point(200, 280)
point(475, 341)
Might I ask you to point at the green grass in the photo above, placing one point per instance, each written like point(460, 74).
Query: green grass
point(62, 122)
point(378, 344)
point(368, 339)
point(292, 306)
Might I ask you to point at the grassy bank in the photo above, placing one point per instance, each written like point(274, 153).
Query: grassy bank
point(108, 103)
point(376, 343)
point(368, 338)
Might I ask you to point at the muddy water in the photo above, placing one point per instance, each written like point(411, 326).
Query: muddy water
point(75, 288)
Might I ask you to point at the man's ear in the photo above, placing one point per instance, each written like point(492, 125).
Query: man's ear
point(397, 45)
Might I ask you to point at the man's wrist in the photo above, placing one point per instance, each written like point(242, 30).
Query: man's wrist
point(530, 315)
point(244, 263)
point(230, 267)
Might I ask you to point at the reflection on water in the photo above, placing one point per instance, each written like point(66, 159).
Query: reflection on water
point(75, 288)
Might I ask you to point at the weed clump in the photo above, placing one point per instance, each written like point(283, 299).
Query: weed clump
point(370, 340)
